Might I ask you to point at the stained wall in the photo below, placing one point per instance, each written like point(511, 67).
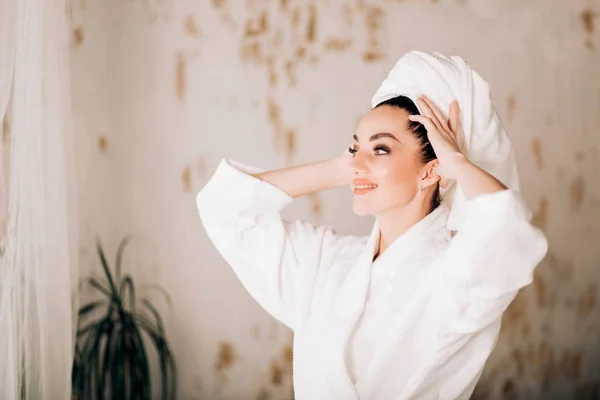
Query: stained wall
point(164, 89)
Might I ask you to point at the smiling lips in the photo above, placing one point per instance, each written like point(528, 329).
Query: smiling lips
point(362, 186)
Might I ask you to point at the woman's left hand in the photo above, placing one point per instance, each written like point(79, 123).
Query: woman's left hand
point(442, 134)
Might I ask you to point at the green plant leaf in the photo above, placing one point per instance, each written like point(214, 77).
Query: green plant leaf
point(82, 331)
point(89, 360)
point(138, 354)
point(76, 373)
point(164, 375)
point(90, 307)
point(93, 282)
point(112, 357)
point(128, 283)
point(159, 323)
point(111, 282)
point(104, 361)
point(147, 326)
point(168, 368)
point(159, 289)
point(173, 368)
point(118, 377)
point(119, 259)
point(90, 342)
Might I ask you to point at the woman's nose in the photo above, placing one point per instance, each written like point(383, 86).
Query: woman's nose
point(358, 165)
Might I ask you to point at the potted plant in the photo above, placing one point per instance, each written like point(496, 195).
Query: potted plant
point(110, 358)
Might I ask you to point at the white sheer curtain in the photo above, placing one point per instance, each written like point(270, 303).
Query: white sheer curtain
point(38, 265)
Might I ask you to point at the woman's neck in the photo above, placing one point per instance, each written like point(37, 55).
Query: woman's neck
point(395, 222)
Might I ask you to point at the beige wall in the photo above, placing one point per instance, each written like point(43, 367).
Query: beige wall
point(165, 88)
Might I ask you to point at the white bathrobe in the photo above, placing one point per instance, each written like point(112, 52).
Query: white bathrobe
point(418, 323)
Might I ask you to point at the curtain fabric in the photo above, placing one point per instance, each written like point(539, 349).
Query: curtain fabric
point(39, 238)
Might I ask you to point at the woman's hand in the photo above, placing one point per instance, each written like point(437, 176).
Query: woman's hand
point(443, 134)
point(341, 164)
point(300, 180)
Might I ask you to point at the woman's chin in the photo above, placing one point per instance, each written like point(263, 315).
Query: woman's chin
point(361, 210)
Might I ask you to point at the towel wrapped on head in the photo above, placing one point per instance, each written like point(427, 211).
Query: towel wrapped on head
point(484, 142)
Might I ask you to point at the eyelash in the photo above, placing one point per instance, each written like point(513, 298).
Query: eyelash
point(376, 148)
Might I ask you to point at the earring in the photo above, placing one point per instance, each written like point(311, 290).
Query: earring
point(421, 188)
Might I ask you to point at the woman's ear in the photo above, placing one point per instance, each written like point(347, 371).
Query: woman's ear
point(430, 175)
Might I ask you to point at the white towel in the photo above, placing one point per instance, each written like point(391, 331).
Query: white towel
point(485, 143)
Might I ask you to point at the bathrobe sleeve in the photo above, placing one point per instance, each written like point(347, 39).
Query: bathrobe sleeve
point(276, 261)
point(491, 257)
point(487, 262)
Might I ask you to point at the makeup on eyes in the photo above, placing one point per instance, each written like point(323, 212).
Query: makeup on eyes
point(382, 147)
point(376, 149)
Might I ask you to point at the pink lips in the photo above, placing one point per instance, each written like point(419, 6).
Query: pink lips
point(362, 186)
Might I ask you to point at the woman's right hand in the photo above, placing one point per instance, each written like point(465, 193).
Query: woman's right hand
point(305, 179)
point(341, 164)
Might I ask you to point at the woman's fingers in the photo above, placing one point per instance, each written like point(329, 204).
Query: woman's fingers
point(425, 121)
point(428, 112)
point(436, 111)
point(442, 137)
point(454, 117)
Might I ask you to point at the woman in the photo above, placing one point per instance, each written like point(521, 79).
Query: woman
point(411, 311)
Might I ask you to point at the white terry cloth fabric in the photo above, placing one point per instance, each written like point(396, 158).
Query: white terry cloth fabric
point(417, 324)
point(443, 80)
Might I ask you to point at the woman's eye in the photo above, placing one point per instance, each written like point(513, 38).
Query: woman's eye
point(381, 150)
point(351, 150)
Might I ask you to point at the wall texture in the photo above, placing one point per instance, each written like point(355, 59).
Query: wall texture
point(164, 89)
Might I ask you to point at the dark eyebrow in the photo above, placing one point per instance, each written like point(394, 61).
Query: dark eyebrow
point(379, 136)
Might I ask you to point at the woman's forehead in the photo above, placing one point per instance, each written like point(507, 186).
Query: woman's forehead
point(383, 119)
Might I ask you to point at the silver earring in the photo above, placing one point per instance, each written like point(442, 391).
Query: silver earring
point(421, 188)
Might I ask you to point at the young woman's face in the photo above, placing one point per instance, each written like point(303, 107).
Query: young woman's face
point(386, 169)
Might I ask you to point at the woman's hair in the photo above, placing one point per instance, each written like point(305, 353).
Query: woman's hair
point(418, 130)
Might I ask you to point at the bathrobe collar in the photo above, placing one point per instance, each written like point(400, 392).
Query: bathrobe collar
point(406, 253)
